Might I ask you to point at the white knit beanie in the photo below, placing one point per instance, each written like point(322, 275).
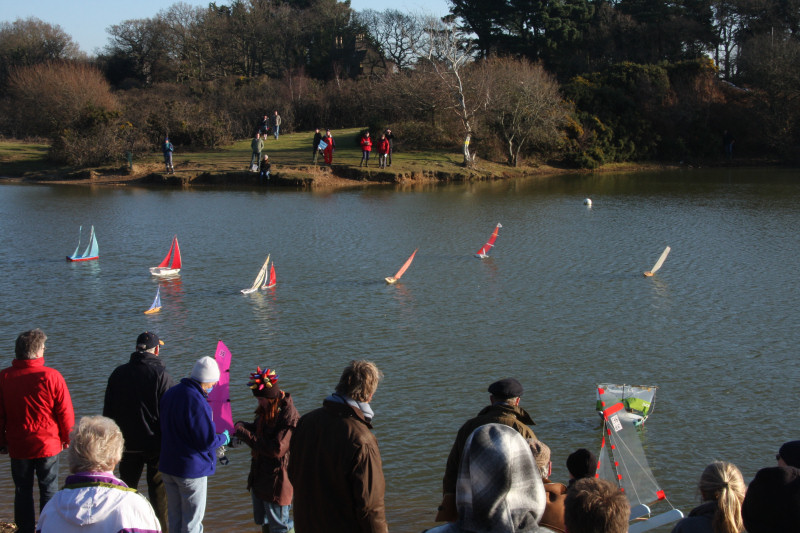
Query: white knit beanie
point(205, 370)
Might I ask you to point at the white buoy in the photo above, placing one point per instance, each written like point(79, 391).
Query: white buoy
point(587, 201)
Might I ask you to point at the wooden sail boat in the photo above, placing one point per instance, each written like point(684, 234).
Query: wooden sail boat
point(660, 262)
point(260, 279)
point(483, 253)
point(393, 279)
point(91, 251)
point(156, 307)
point(270, 281)
point(630, 471)
point(171, 265)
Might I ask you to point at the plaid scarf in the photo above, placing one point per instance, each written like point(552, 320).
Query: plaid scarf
point(499, 486)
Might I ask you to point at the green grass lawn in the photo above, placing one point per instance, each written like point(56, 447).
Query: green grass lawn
point(290, 153)
point(16, 158)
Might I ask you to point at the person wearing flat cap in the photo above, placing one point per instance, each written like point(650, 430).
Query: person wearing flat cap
point(189, 442)
point(503, 408)
point(132, 400)
point(268, 437)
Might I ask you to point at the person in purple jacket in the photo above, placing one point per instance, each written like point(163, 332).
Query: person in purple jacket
point(188, 446)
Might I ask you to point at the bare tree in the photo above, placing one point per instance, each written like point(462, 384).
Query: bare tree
point(396, 35)
point(30, 41)
point(450, 53)
point(526, 107)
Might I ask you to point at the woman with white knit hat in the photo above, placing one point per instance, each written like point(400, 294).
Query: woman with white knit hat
point(188, 446)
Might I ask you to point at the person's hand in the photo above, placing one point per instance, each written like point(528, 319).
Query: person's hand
point(238, 426)
point(227, 437)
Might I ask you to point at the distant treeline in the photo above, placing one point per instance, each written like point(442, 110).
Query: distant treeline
point(579, 82)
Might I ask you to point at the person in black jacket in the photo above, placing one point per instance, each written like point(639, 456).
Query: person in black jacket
point(132, 400)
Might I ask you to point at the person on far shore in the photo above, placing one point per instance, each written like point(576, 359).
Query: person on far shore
point(268, 437)
point(595, 505)
point(366, 148)
point(499, 485)
point(315, 145)
point(383, 150)
point(390, 138)
point(93, 499)
point(167, 149)
point(265, 126)
point(503, 408)
point(36, 417)
point(264, 169)
point(188, 446)
point(581, 463)
point(335, 464)
point(257, 146)
point(132, 399)
point(276, 125)
point(722, 491)
point(331, 145)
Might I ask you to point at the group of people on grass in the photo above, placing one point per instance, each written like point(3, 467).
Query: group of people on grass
point(384, 149)
point(325, 464)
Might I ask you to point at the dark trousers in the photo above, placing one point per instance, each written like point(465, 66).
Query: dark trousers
point(130, 471)
point(22, 471)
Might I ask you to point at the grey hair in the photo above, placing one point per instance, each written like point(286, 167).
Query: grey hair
point(29, 343)
point(95, 445)
point(359, 380)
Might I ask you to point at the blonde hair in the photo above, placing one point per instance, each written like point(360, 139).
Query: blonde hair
point(359, 380)
point(722, 482)
point(95, 445)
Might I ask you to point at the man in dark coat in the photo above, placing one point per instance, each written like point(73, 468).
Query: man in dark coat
point(133, 397)
point(334, 462)
point(503, 408)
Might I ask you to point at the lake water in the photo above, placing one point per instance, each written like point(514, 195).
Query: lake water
point(561, 304)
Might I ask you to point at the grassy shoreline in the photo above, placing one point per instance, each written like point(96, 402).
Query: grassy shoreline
point(291, 166)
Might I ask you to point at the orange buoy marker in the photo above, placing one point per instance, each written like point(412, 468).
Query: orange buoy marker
point(660, 262)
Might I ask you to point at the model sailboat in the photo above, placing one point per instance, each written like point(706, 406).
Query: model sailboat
point(393, 279)
point(271, 280)
point(638, 400)
point(660, 262)
point(220, 397)
point(171, 265)
point(630, 471)
point(483, 253)
point(91, 251)
point(156, 307)
point(261, 280)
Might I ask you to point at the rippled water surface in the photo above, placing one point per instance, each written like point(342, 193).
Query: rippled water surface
point(561, 305)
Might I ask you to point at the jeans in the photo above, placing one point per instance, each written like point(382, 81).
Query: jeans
point(276, 130)
point(22, 470)
point(271, 514)
point(130, 471)
point(255, 158)
point(186, 500)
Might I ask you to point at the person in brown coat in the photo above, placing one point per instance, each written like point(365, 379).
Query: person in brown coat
point(335, 465)
point(268, 438)
point(503, 408)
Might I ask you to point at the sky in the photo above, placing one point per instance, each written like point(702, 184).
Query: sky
point(86, 20)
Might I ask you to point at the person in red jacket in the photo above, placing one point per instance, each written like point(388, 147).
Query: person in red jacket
point(36, 417)
point(330, 145)
point(383, 150)
point(366, 148)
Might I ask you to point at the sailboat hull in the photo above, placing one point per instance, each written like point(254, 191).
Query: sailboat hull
point(164, 271)
point(75, 259)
